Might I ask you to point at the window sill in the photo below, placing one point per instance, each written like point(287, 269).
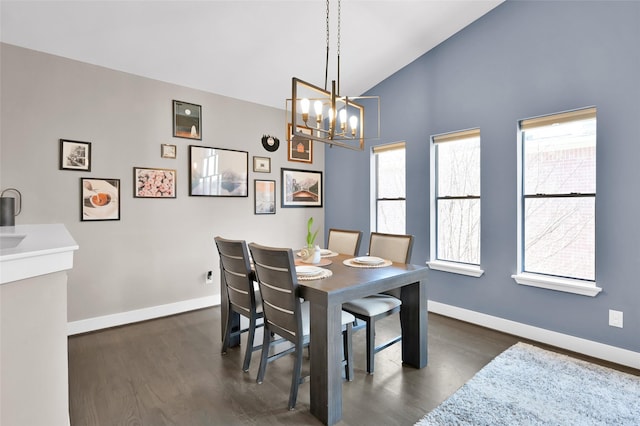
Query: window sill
point(567, 285)
point(456, 268)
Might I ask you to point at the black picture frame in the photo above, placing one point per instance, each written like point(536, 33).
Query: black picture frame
point(218, 172)
point(150, 182)
point(187, 120)
point(264, 192)
point(301, 188)
point(99, 199)
point(75, 155)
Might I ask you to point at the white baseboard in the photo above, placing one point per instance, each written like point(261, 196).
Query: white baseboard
point(564, 341)
point(122, 318)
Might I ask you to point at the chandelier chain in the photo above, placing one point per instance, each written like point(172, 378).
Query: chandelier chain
point(326, 62)
point(339, 11)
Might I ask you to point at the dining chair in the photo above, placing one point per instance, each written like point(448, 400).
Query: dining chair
point(397, 248)
point(242, 297)
point(286, 315)
point(344, 241)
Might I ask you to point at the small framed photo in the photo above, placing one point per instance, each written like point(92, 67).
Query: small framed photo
point(262, 164)
point(300, 149)
point(265, 196)
point(75, 155)
point(167, 151)
point(187, 120)
point(301, 188)
point(218, 172)
point(154, 183)
point(99, 199)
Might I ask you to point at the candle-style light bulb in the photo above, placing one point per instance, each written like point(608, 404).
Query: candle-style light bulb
point(343, 119)
point(317, 106)
point(353, 122)
point(304, 105)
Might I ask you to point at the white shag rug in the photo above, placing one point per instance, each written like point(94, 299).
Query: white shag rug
point(526, 385)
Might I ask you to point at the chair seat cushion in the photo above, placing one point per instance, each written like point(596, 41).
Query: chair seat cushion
point(372, 305)
point(304, 310)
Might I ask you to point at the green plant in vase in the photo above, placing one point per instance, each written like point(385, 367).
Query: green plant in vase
point(311, 237)
point(311, 253)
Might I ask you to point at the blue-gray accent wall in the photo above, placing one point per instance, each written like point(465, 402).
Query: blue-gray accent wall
point(523, 59)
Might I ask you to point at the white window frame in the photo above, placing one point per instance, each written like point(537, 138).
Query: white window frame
point(568, 285)
point(434, 263)
point(374, 181)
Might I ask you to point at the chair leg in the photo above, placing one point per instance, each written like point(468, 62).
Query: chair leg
point(249, 349)
point(348, 352)
point(227, 335)
point(264, 355)
point(295, 381)
point(371, 344)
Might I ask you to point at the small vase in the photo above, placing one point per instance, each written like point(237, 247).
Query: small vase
point(316, 254)
point(310, 254)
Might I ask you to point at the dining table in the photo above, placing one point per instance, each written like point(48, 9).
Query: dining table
point(348, 281)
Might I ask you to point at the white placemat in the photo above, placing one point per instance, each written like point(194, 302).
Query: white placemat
point(326, 273)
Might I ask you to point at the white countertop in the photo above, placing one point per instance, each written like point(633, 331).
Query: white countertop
point(45, 249)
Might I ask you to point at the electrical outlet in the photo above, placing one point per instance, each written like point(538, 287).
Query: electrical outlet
point(615, 318)
point(208, 277)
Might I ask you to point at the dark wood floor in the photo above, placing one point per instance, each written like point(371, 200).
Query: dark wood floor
point(170, 371)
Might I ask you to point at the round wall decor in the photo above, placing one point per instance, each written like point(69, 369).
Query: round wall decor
point(270, 143)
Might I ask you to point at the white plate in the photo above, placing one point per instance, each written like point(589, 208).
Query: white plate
point(308, 271)
point(368, 260)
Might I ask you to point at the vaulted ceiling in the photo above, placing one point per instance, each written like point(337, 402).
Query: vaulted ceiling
point(245, 49)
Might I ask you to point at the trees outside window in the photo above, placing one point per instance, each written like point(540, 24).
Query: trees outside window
point(558, 192)
point(457, 196)
point(390, 188)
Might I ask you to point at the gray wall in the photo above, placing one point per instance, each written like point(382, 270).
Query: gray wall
point(159, 251)
point(523, 59)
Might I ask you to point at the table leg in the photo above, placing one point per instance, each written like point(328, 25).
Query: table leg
point(413, 317)
point(326, 356)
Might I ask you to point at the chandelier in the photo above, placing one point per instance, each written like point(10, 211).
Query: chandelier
point(335, 119)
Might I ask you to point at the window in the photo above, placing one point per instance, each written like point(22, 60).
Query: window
point(455, 201)
point(390, 188)
point(557, 191)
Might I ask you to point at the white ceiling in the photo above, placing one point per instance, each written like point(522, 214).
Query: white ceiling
point(245, 49)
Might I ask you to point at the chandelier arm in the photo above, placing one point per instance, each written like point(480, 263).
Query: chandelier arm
point(326, 70)
point(338, 86)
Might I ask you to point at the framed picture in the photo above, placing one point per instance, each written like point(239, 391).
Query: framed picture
point(262, 164)
point(99, 199)
point(218, 172)
point(167, 151)
point(265, 196)
point(186, 120)
point(300, 149)
point(154, 183)
point(75, 155)
point(301, 188)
